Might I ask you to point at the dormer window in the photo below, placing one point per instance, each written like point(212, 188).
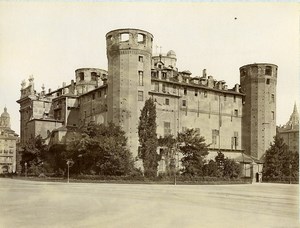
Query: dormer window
point(81, 76)
point(124, 37)
point(268, 70)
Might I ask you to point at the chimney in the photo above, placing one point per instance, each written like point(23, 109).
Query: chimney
point(204, 73)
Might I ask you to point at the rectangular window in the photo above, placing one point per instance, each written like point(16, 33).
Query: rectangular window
point(164, 75)
point(93, 96)
point(205, 94)
point(185, 91)
point(234, 98)
point(196, 92)
point(140, 95)
point(141, 78)
point(167, 128)
point(225, 97)
point(156, 87)
point(99, 94)
point(163, 88)
point(167, 101)
point(273, 115)
point(174, 89)
point(268, 81)
point(268, 70)
point(184, 103)
point(214, 134)
point(236, 112)
point(235, 140)
point(141, 59)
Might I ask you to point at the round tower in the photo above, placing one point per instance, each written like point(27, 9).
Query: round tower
point(88, 79)
point(129, 53)
point(258, 81)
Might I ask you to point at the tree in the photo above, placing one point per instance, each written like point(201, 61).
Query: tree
point(277, 160)
point(33, 155)
point(148, 139)
point(211, 169)
point(101, 149)
point(231, 169)
point(194, 149)
point(169, 144)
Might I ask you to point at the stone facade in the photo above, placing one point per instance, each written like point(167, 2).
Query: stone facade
point(238, 119)
point(8, 144)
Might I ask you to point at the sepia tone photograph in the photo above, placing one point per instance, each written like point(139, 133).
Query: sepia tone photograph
point(149, 114)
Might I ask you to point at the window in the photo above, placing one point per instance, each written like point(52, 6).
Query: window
point(167, 128)
point(93, 96)
point(164, 75)
point(234, 98)
point(236, 112)
point(205, 94)
point(214, 133)
point(268, 70)
point(153, 74)
point(124, 37)
point(156, 87)
point(163, 88)
point(268, 81)
point(225, 97)
point(273, 97)
point(185, 91)
point(140, 95)
point(174, 88)
point(141, 78)
point(167, 101)
point(235, 140)
point(196, 92)
point(141, 38)
point(99, 94)
point(273, 115)
point(94, 76)
point(81, 76)
point(184, 103)
point(141, 58)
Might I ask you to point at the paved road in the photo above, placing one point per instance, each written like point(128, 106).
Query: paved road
point(42, 204)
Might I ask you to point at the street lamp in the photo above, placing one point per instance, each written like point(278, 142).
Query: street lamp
point(290, 166)
point(26, 169)
point(69, 164)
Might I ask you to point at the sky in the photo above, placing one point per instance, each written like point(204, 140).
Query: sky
point(50, 40)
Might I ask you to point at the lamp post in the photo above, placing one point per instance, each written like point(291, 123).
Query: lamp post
point(290, 166)
point(26, 169)
point(69, 164)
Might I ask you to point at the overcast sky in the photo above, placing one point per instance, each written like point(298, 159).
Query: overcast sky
point(51, 40)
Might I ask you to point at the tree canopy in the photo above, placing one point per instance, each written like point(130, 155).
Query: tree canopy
point(194, 149)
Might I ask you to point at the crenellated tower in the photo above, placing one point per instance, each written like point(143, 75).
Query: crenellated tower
point(258, 82)
point(129, 53)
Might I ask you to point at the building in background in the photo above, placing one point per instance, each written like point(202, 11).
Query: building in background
point(239, 120)
point(8, 142)
point(290, 131)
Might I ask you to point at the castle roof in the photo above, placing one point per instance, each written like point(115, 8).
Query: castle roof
point(5, 113)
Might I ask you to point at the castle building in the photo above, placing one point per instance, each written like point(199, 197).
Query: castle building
point(240, 120)
point(290, 131)
point(8, 142)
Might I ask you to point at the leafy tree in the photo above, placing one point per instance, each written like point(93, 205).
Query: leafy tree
point(33, 155)
point(101, 149)
point(148, 139)
point(211, 169)
point(278, 159)
point(231, 169)
point(194, 149)
point(169, 144)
